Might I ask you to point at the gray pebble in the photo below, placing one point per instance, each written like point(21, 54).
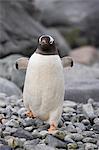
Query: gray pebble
point(88, 133)
point(70, 104)
point(75, 136)
point(89, 140)
point(21, 133)
point(80, 125)
point(5, 147)
point(90, 146)
point(29, 145)
point(88, 110)
point(86, 122)
point(12, 123)
point(96, 121)
point(54, 142)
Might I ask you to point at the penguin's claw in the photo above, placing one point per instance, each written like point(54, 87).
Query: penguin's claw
point(52, 128)
point(30, 114)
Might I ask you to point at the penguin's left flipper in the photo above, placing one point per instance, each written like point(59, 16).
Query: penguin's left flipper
point(21, 63)
point(67, 61)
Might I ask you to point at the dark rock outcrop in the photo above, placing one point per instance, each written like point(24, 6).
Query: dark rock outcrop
point(19, 30)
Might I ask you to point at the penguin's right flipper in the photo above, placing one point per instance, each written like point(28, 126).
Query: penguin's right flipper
point(21, 63)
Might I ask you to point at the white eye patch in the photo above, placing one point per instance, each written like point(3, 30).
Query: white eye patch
point(51, 39)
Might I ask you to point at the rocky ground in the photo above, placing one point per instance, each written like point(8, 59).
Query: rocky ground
point(78, 128)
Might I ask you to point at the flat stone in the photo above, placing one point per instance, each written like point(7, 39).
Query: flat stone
point(89, 140)
point(43, 147)
point(88, 133)
point(68, 109)
point(54, 142)
point(29, 145)
point(21, 133)
point(75, 136)
point(12, 123)
point(71, 104)
point(90, 146)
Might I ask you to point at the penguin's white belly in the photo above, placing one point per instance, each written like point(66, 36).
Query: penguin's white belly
point(44, 86)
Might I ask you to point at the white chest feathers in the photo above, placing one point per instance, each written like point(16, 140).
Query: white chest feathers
point(44, 86)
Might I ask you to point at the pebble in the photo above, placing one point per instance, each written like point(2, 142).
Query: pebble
point(96, 121)
point(71, 104)
point(89, 140)
point(21, 133)
point(86, 122)
point(88, 111)
point(90, 146)
point(68, 109)
point(54, 142)
point(72, 146)
point(75, 136)
point(12, 123)
point(77, 129)
point(29, 145)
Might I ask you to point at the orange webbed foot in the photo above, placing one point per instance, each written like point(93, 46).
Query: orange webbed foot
point(52, 128)
point(30, 114)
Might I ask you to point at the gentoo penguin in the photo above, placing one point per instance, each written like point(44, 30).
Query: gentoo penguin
point(44, 89)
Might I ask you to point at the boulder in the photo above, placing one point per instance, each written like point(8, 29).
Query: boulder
point(8, 71)
point(19, 30)
point(84, 55)
point(81, 83)
point(9, 88)
point(75, 16)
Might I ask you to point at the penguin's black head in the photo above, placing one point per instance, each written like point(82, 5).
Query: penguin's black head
point(46, 45)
